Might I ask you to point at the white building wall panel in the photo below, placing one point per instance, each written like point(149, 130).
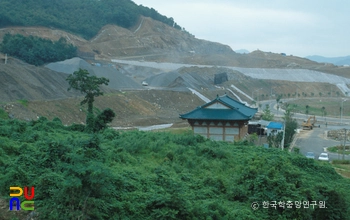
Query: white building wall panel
point(216, 137)
point(200, 130)
point(217, 106)
point(231, 131)
point(216, 130)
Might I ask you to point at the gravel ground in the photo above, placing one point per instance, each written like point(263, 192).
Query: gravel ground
point(23, 81)
point(295, 75)
point(118, 77)
point(176, 80)
point(128, 74)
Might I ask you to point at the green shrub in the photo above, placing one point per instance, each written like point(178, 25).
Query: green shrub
point(296, 150)
point(23, 102)
point(339, 149)
point(3, 114)
point(159, 175)
point(110, 134)
point(76, 127)
point(36, 50)
point(102, 119)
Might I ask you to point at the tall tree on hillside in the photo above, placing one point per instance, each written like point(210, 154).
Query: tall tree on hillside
point(278, 102)
point(307, 109)
point(267, 114)
point(90, 86)
point(291, 125)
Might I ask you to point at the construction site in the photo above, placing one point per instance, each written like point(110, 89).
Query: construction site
point(153, 80)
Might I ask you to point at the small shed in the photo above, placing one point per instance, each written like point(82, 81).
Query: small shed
point(258, 127)
point(274, 127)
point(223, 118)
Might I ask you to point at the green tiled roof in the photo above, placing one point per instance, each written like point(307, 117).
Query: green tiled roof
point(235, 110)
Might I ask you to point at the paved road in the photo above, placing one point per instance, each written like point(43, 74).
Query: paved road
point(302, 117)
point(315, 141)
point(295, 75)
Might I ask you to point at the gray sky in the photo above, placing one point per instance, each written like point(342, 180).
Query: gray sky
point(294, 27)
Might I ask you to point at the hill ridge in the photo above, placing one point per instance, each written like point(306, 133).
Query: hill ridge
point(81, 17)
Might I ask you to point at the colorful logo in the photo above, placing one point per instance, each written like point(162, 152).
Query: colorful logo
point(25, 205)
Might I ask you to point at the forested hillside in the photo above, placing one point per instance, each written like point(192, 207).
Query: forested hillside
point(147, 175)
point(82, 17)
point(35, 50)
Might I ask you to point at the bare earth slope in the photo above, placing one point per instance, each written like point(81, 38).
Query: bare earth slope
point(132, 108)
point(151, 40)
point(161, 101)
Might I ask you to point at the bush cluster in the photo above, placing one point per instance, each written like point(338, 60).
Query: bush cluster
point(36, 50)
point(159, 175)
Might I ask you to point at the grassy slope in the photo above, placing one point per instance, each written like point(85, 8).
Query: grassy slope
point(332, 106)
point(146, 175)
point(343, 169)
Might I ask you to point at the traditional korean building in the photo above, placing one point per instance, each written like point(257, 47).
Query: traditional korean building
point(223, 119)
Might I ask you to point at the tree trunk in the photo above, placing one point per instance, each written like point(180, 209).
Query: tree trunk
point(90, 116)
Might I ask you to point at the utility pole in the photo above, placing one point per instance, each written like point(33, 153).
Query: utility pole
point(257, 103)
point(345, 137)
point(258, 97)
point(341, 111)
point(284, 134)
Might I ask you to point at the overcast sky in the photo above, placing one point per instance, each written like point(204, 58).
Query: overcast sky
point(294, 27)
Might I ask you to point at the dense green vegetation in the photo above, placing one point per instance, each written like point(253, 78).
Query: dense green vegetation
point(340, 149)
point(276, 140)
point(146, 175)
point(3, 114)
point(83, 17)
point(36, 50)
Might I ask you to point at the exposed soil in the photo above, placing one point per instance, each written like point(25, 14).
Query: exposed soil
point(151, 40)
point(45, 89)
point(132, 108)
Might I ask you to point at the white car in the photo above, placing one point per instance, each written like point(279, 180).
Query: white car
point(323, 157)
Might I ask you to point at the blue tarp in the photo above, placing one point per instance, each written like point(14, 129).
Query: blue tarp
point(275, 125)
